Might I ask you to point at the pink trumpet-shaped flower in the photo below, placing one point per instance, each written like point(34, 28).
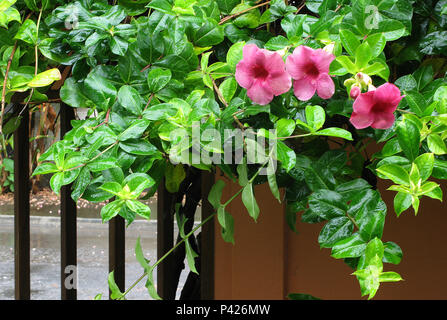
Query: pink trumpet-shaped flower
point(376, 108)
point(262, 73)
point(309, 68)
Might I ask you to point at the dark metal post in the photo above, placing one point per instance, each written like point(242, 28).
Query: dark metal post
point(207, 240)
point(165, 242)
point(22, 207)
point(68, 224)
point(117, 250)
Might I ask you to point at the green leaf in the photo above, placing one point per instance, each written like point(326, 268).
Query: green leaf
point(215, 194)
point(174, 176)
point(158, 78)
point(363, 55)
point(392, 253)
point(208, 34)
point(135, 130)
point(436, 193)
point(335, 230)
point(139, 208)
point(389, 276)
point(99, 90)
point(138, 147)
point(286, 156)
point(277, 43)
point(409, 137)
point(130, 99)
point(416, 102)
point(72, 94)
point(349, 41)
point(315, 117)
point(395, 173)
point(391, 29)
point(234, 54)
point(292, 24)
point(402, 201)
point(248, 198)
point(114, 290)
point(377, 43)
point(228, 88)
point(335, 132)
point(111, 209)
point(112, 187)
point(242, 172)
point(351, 247)
point(423, 76)
point(347, 63)
point(271, 178)
point(139, 255)
point(45, 78)
point(27, 32)
point(327, 204)
point(5, 4)
point(101, 164)
point(436, 144)
point(44, 168)
point(56, 182)
point(285, 127)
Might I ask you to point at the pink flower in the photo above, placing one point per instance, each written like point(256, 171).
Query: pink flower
point(309, 68)
point(376, 108)
point(263, 74)
point(355, 91)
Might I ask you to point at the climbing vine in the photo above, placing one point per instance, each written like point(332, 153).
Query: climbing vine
point(287, 93)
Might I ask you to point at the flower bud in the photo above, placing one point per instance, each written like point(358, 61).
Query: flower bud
point(329, 48)
point(355, 91)
point(363, 79)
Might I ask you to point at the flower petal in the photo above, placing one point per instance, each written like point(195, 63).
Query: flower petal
point(387, 95)
point(325, 86)
point(304, 89)
point(260, 92)
point(244, 74)
point(361, 120)
point(297, 63)
point(279, 83)
point(364, 103)
point(322, 60)
point(249, 52)
point(384, 120)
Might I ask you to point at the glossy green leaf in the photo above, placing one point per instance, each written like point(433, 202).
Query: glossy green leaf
point(248, 198)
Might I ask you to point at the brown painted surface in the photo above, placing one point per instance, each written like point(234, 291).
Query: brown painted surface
point(268, 260)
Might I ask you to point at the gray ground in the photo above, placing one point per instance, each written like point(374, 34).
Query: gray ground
point(92, 257)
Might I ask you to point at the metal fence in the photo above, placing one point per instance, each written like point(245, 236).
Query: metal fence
point(165, 226)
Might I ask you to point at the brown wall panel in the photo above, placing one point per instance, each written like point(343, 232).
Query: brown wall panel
point(268, 260)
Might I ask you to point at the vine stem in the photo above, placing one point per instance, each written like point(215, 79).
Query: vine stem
point(242, 12)
point(36, 57)
point(167, 254)
point(192, 232)
point(4, 85)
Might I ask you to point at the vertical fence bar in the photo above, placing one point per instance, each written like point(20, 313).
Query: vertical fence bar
point(117, 250)
point(165, 241)
point(21, 207)
point(68, 224)
point(207, 240)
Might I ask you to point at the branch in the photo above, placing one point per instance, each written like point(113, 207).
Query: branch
point(242, 12)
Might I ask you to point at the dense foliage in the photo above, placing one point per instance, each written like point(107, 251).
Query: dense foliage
point(155, 72)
